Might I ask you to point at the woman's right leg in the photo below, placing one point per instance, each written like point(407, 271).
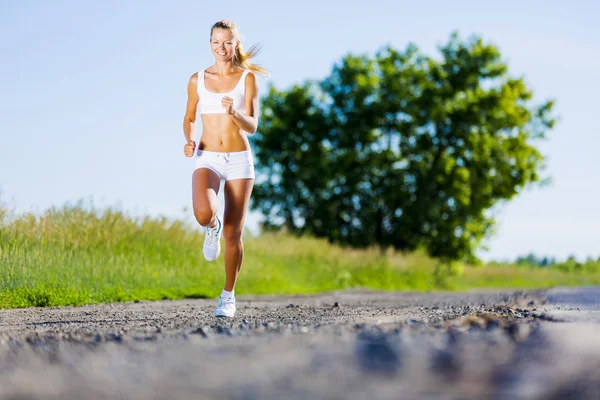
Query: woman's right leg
point(205, 187)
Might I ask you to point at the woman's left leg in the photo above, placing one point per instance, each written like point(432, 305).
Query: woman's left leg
point(237, 198)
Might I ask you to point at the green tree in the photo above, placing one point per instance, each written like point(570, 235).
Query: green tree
point(400, 149)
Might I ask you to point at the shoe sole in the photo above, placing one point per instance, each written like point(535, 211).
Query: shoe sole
point(223, 316)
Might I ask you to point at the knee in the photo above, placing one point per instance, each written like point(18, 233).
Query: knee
point(232, 234)
point(204, 215)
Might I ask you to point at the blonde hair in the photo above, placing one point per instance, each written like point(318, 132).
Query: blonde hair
point(242, 57)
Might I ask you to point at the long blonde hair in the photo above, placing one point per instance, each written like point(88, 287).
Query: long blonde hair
point(242, 57)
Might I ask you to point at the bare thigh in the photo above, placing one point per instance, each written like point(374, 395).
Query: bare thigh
point(205, 187)
point(237, 199)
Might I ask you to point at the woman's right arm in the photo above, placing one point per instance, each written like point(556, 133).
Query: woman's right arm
point(189, 120)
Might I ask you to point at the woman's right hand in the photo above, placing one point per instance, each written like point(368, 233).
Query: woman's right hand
point(189, 148)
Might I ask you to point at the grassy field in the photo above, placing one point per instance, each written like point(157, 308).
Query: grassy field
point(74, 256)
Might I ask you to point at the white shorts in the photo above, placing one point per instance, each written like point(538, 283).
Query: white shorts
point(228, 166)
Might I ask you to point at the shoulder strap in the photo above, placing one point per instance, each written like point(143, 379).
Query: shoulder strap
point(200, 84)
point(242, 82)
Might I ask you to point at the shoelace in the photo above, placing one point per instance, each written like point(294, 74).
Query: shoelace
point(212, 233)
point(227, 302)
point(209, 233)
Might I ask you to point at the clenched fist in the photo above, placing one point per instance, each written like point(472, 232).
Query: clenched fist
point(189, 148)
point(227, 103)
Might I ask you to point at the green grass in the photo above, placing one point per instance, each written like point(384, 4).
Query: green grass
point(74, 256)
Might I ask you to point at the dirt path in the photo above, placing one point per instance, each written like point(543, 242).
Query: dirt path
point(343, 345)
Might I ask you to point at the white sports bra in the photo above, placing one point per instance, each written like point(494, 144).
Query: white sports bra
point(210, 102)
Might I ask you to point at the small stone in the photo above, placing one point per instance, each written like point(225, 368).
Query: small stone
point(445, 362)
point(375, 354)
point(199, 331)
point(222, 330)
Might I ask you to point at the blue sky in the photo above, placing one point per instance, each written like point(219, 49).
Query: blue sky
point(92, 95)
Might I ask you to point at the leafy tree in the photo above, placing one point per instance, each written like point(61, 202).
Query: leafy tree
point(401, 149)
point(532, 260)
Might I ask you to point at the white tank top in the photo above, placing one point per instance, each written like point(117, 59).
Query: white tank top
point(210, 102)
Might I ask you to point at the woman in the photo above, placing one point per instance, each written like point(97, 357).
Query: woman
point(227, 97)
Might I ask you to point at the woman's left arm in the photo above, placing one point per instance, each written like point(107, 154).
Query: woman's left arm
point(248, 122)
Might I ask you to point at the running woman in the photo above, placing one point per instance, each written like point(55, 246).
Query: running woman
point(226, 95)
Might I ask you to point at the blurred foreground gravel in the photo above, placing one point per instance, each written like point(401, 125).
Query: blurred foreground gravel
point(342, 345)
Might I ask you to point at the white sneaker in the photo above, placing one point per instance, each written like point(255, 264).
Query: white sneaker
point(226, 307)
point(212, 241)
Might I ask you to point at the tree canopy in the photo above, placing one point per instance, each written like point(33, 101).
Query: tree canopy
point(400, 149)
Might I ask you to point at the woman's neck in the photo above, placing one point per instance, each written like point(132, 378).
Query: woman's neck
point(224, 67)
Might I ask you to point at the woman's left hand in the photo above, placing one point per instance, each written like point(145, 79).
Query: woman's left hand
point(227, 103)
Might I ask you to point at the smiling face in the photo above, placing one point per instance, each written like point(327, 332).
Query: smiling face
point(223, 44)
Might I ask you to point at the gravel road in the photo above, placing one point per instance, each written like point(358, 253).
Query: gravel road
point(341, 345)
